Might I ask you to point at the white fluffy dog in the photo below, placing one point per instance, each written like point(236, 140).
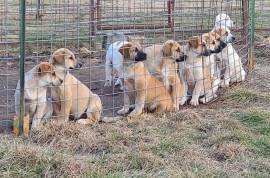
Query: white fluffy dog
point(228, 57)
point(223, 20)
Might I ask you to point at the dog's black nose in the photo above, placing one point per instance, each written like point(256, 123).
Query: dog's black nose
point(182, 58)
point(141, 56)
point(78, 65)
point(233, 39)
point(223, 44)
point(207, 52)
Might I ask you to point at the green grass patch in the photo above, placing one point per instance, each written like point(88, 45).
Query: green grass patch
point(258, 123)
point(244, 95)
point(255, 120)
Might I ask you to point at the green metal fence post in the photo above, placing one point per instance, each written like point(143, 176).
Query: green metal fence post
point(251, 59)
point(252, 22)
point(22, 57)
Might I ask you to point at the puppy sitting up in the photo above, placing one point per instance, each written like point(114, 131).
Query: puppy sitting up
point(158, 52)
point(37, 81)
point(229, 59)
point(120, 54)
point(72, 96)
point(174, 82)
point(151, 94)
point(202, 78)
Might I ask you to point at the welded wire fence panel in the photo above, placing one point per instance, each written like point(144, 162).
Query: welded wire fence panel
point(262, 13)
point(88, 27)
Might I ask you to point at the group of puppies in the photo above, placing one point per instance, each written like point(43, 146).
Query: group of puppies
point(161, 77)
point(164, 76)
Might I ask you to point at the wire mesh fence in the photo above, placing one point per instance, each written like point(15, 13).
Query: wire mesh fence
point(88, 27)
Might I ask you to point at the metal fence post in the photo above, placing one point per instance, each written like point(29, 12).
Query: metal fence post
point(22, 57)
point(251, 57)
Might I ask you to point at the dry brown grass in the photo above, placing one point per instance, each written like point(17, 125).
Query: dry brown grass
point(227, 138)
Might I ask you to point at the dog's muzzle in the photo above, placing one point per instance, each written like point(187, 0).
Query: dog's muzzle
point(207, 52)
point(221, 46)
point(182, 58)
point(141, 56)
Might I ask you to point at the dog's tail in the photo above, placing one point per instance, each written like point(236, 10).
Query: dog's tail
point(111, 119)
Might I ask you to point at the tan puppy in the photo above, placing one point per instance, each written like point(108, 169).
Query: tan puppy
point(174, 82)
point(118, 55)
point(155, 54)
point(202, 78)
point(150, 92)
point(37, 81)
point(73, 97)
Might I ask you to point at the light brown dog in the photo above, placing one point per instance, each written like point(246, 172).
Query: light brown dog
point(37, 81)
point(156, 53)
point(200, 70)
point(118, 55)
point(151, 94)
point(174, 81)
point(72, 96)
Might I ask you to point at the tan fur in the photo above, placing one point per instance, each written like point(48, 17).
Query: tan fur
point(73, 97)
point(128, 52)
point(156, 52)
point(175, 85)
point(37, 81)
point(200, 71)
point(150, 92)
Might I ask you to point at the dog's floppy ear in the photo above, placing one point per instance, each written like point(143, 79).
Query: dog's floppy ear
point(44, 67)
point(58, 57)
point(167, 48)
point(194, 42)
point(124, 50)
point(221, 31)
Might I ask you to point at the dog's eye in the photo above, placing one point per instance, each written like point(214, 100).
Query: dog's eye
point(178, 50)
point(226, 33)
point(71, 58)
point(213, 42)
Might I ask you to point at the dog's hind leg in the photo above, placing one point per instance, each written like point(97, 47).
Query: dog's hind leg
point(92, 118)
point(93, 111)
point(108, 73)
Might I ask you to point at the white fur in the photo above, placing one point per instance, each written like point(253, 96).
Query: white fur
point(234, 71)
point(114, 60)
point(223, 20)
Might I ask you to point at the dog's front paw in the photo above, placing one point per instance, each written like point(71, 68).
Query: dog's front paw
point(194, 102)
point(224, 84)
point(36, 123)
point(123, 111)
point(134, 114)
point(108, 83)
point(85, 122)
point(118, 82)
